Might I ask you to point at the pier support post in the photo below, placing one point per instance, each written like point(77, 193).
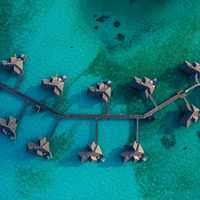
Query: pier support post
point(187, 103)
point(19, 81)
point(153, 100)
point(137, 130)
point(106, 107)
point(197, 78)
point(97, 131)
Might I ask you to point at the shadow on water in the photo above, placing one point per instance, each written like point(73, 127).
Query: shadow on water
point(113, 159)
point(86, 101)
point(129, 14)
point(169, 124)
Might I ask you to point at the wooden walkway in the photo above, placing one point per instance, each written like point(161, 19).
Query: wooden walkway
point(180, 95)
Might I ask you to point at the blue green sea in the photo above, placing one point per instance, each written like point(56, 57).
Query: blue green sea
point(64, 37)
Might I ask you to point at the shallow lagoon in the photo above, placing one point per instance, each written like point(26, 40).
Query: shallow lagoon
point(59, 38)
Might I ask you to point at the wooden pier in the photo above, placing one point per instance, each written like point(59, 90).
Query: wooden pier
point(179, 95)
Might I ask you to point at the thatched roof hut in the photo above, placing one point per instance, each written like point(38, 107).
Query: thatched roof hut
point(8, 126)
point(14, 64)
point(102, 90)
point(56, 84)
point(145, 85)
point(191, 115)
point(93, 153)
point(133, 152)
point(41, 148)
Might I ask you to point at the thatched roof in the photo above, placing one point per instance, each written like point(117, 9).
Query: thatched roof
point(137, 147)
point(15, 64)
point(55, 83)
point(191, 115)
point(134, 152)
point(41, 147)
point(101, 90)
point(94, 153)
point(95, 148)
point(146, 84)
point(192, 67)
point(9, 126)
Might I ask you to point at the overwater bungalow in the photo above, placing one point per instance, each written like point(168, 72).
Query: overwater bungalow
point(192, 68)
point(191, 115)
point(102, 90)
point(8, 126)
point(14, 64)
point(145, 85)
point(133, 152)
point(56, 84)
point(92, 153)
point(41, 148)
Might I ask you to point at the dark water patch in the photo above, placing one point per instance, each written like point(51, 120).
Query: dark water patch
point(132, 131)
point(116, 24)
point(13, 18)
point(175, 78)
point(168, 140)
point(60, 145)
point(121, 37)
point(155, 177)
point(96, 27)
point(102, 18)
point(170, 123)
point(121, 76)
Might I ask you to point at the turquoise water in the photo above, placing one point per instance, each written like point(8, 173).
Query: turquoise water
point(58, 36)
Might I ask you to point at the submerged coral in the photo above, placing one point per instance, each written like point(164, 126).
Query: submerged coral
point(168, 140)
point(60, 144)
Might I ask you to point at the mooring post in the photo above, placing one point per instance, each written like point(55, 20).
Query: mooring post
point(97, 131)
